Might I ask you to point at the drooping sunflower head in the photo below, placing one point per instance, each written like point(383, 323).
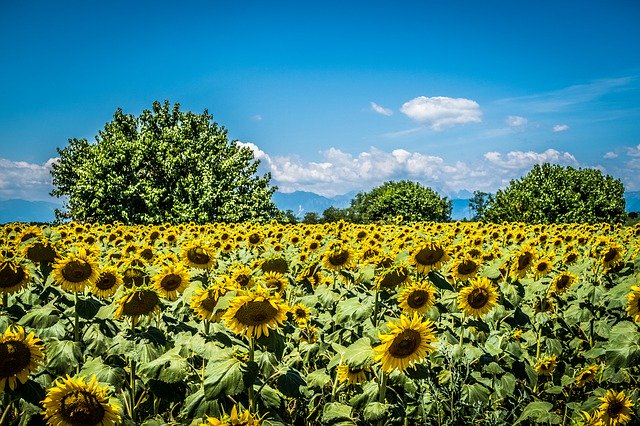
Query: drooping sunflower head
point(546, 365)
point(408, 341)
point(587, 375)
point(253, 314)
point(171, 280)
point(138, 302)
point(429, 256)
point(611, 256)
point(351, 375)
point(477, 298)
point(391, 277)
point(561, 282)
point(204, 302)
point(633, 303)
point(40, 250)
point(275, 281)
point(275, 264)
point(198, 254)
point(615, 408)
point(417, 297)
point(108, 282)
point(75, 271)
point(20, 354)
point(14, 276)
point(75, 402)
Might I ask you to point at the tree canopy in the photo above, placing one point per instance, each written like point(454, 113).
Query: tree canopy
point(164, 166)
point(557, 194)
point(409, 200)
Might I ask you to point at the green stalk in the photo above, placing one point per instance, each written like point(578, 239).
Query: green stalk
point(376, 307)
point(382, 395)
point(76, 323)
point(334, 388)
point(252, 401)
point(5, 300)
point(8, 405)
point(206, 327)
point(132, 385)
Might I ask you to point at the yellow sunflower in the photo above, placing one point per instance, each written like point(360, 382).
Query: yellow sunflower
point(301, 314)
point(417, 297)
point(522, 262)
point(590, 419)
point(477, 298)
point(198, 254)
point(241, 275)
point(465, 267)
point(546, 365)
point(75, 402)
point(171, 280)
point(275, 281)
point(76, 271)
point(204, 301)
point(429, 256)
point(338, 256)
point(633, 303)
point(137, 302)
point(541, 267)
point(254, 313)
point(108, 282)
point(407, 342)
point(351, 375)
point(238, 417)
point(615, 408)
point(561, 282)
point(587, 375)
point(40, 250)
point(14, 276)
point(611, 256)
point(20, 354)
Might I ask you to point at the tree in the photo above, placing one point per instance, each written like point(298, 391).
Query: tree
point(410, 200)
point(311, 218)
point(556, 194)
point(479, 203)
point(164, 166)
point(334, 214)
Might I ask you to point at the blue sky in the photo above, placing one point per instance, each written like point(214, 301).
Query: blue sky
point(334, 96)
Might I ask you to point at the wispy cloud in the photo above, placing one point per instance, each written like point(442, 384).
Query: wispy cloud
point(381, 110)
point(27, 181)
point(560, 128)
point(440, 112)
point(516, 121)
point(610, 155)
point(521, 160)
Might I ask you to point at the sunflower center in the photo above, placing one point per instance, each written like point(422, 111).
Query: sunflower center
point(14, 357)
point(209, 304)
point(256, 313)
point(41, 253)
point(478, 298)
point(615, 408)
point(10, 275)
point(81, 408)
point(611, 255)
point(394, 278)
point(542, 266)
point(198, 256)
point(141, 302)
point(76, 271)
point(563, 282)
point(243, 279)
point(106, 281)
point(254, 239)
point(524, 260)
point(405, 344)
point(467, 267)
point(171, 282)
point(339, 258)
point(429, 256)
point(301, 314)
point(417, 299)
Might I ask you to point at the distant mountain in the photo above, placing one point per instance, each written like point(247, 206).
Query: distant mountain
point(632, 201)
point(27, 211)
point(301, 202)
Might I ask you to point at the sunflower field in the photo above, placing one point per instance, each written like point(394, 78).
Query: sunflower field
point(334, 324)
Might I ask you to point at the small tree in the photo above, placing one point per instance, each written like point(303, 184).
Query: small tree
point(478, 204)
point(410, 200)
point(556, 194)
point(163, 166)
point(334, 214)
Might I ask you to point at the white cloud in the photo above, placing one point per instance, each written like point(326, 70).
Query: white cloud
point(516, 121)
point(441, 112)
point(523, 160)
point(634, 151)
point(610, 155)
point(27, 181)
point(560, 128)
point(257, 117)
point(380, 109)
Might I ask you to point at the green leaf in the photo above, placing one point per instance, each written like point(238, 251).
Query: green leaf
point(289, 382)
point(353, 309)
point(270, 398)
point(197, 405)
point(375, 411)
point(170, 367)
point(335, 412)
point(63, 355)
point(88, 307)
point(539, 412)
point(475, 393)
point(115, 376)
point(318, 379)
point(358, 354)
point(40, 317)
point(226, 375)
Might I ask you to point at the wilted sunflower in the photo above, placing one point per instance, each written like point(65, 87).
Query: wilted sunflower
point(198, 254)
point(171, 280)
point(76, 271)
point(204, 301)
point(74, 402)
point(237, 418)
point(275, 281)
point(615, 408)
point(338, 256)
point(108, 282)
point(407, 342)
point(254, 313)
point(301, 314)
point(587, 375)
point(477, 298)
point(137, 302)
point(633, 303)
point(561, 282)
point(14, 276)
point(546, 365)
point(20, 354)
point(429, 256)
point(417, 297)
point(350, 375)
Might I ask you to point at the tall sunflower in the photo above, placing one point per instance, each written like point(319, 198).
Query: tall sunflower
point(338, 256)
point(254, 313)
point(108, 282)
point(198, 254)
point(407, 342)
point(633, 303)
point(171, 280)
point(478, 298)
point(275, 281)
point(75, 402)
point(542, 266)
point(204, 302)
point(429, 256)
point(20, 354)
point(417, 297)
point(615, 408)
point(465, 267)
point(137, 302)
point(76, 271)
point(561, 282)
point(14, 276)
point(547, 365)
point(301, 314)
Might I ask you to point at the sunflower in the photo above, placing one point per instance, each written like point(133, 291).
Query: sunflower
point(198, 254)
point(136, 302)
point(561, 282)
point(72, 401)
point(108, 282)
point(615, 408)
point(204, 301)
point(464, 267)
point(14, 276)
point(171, 280)
point(590, 419)
point(275, 281)
point(275, 264)
point(350, 375)
point(76, 271)
point(633, 303)
point(237, 418)
point(546, 365)
point(429, 256)
point(478, 298)
point(254, 313)
point(587, 375)
point(611, 256)
point(392, 277)
point(301, 314)
point(417, 297)
point(522, 262)
point(338, 256)
point(40, 251)
point(242, 276)
point(20, 354)
point(408, 341)
point(542, 267)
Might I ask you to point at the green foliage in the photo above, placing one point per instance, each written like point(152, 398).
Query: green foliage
point(479, 203)
point(164, 166)
point(409, 200)
point(556, 194)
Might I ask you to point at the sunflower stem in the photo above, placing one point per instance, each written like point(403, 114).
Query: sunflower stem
point(376, 308)
point(206, 327)
point(5, 303)
point(382, 395)
point(251, 390)
point(132, 385)
point(334, 388)
point(8, 406)
point(76, 323)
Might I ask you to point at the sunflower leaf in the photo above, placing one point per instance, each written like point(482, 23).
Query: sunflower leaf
point(335, 413)
point(63, 355)
point(115, 376)
point(88, 307)
point(375, 411)
point(290, 381)
point(358, 354)
point(539, 412)
point(40, 317)
point(170, 367)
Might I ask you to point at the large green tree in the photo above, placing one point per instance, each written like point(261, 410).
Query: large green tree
point(557, 194)
point(165, 165)
point(411, 200)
